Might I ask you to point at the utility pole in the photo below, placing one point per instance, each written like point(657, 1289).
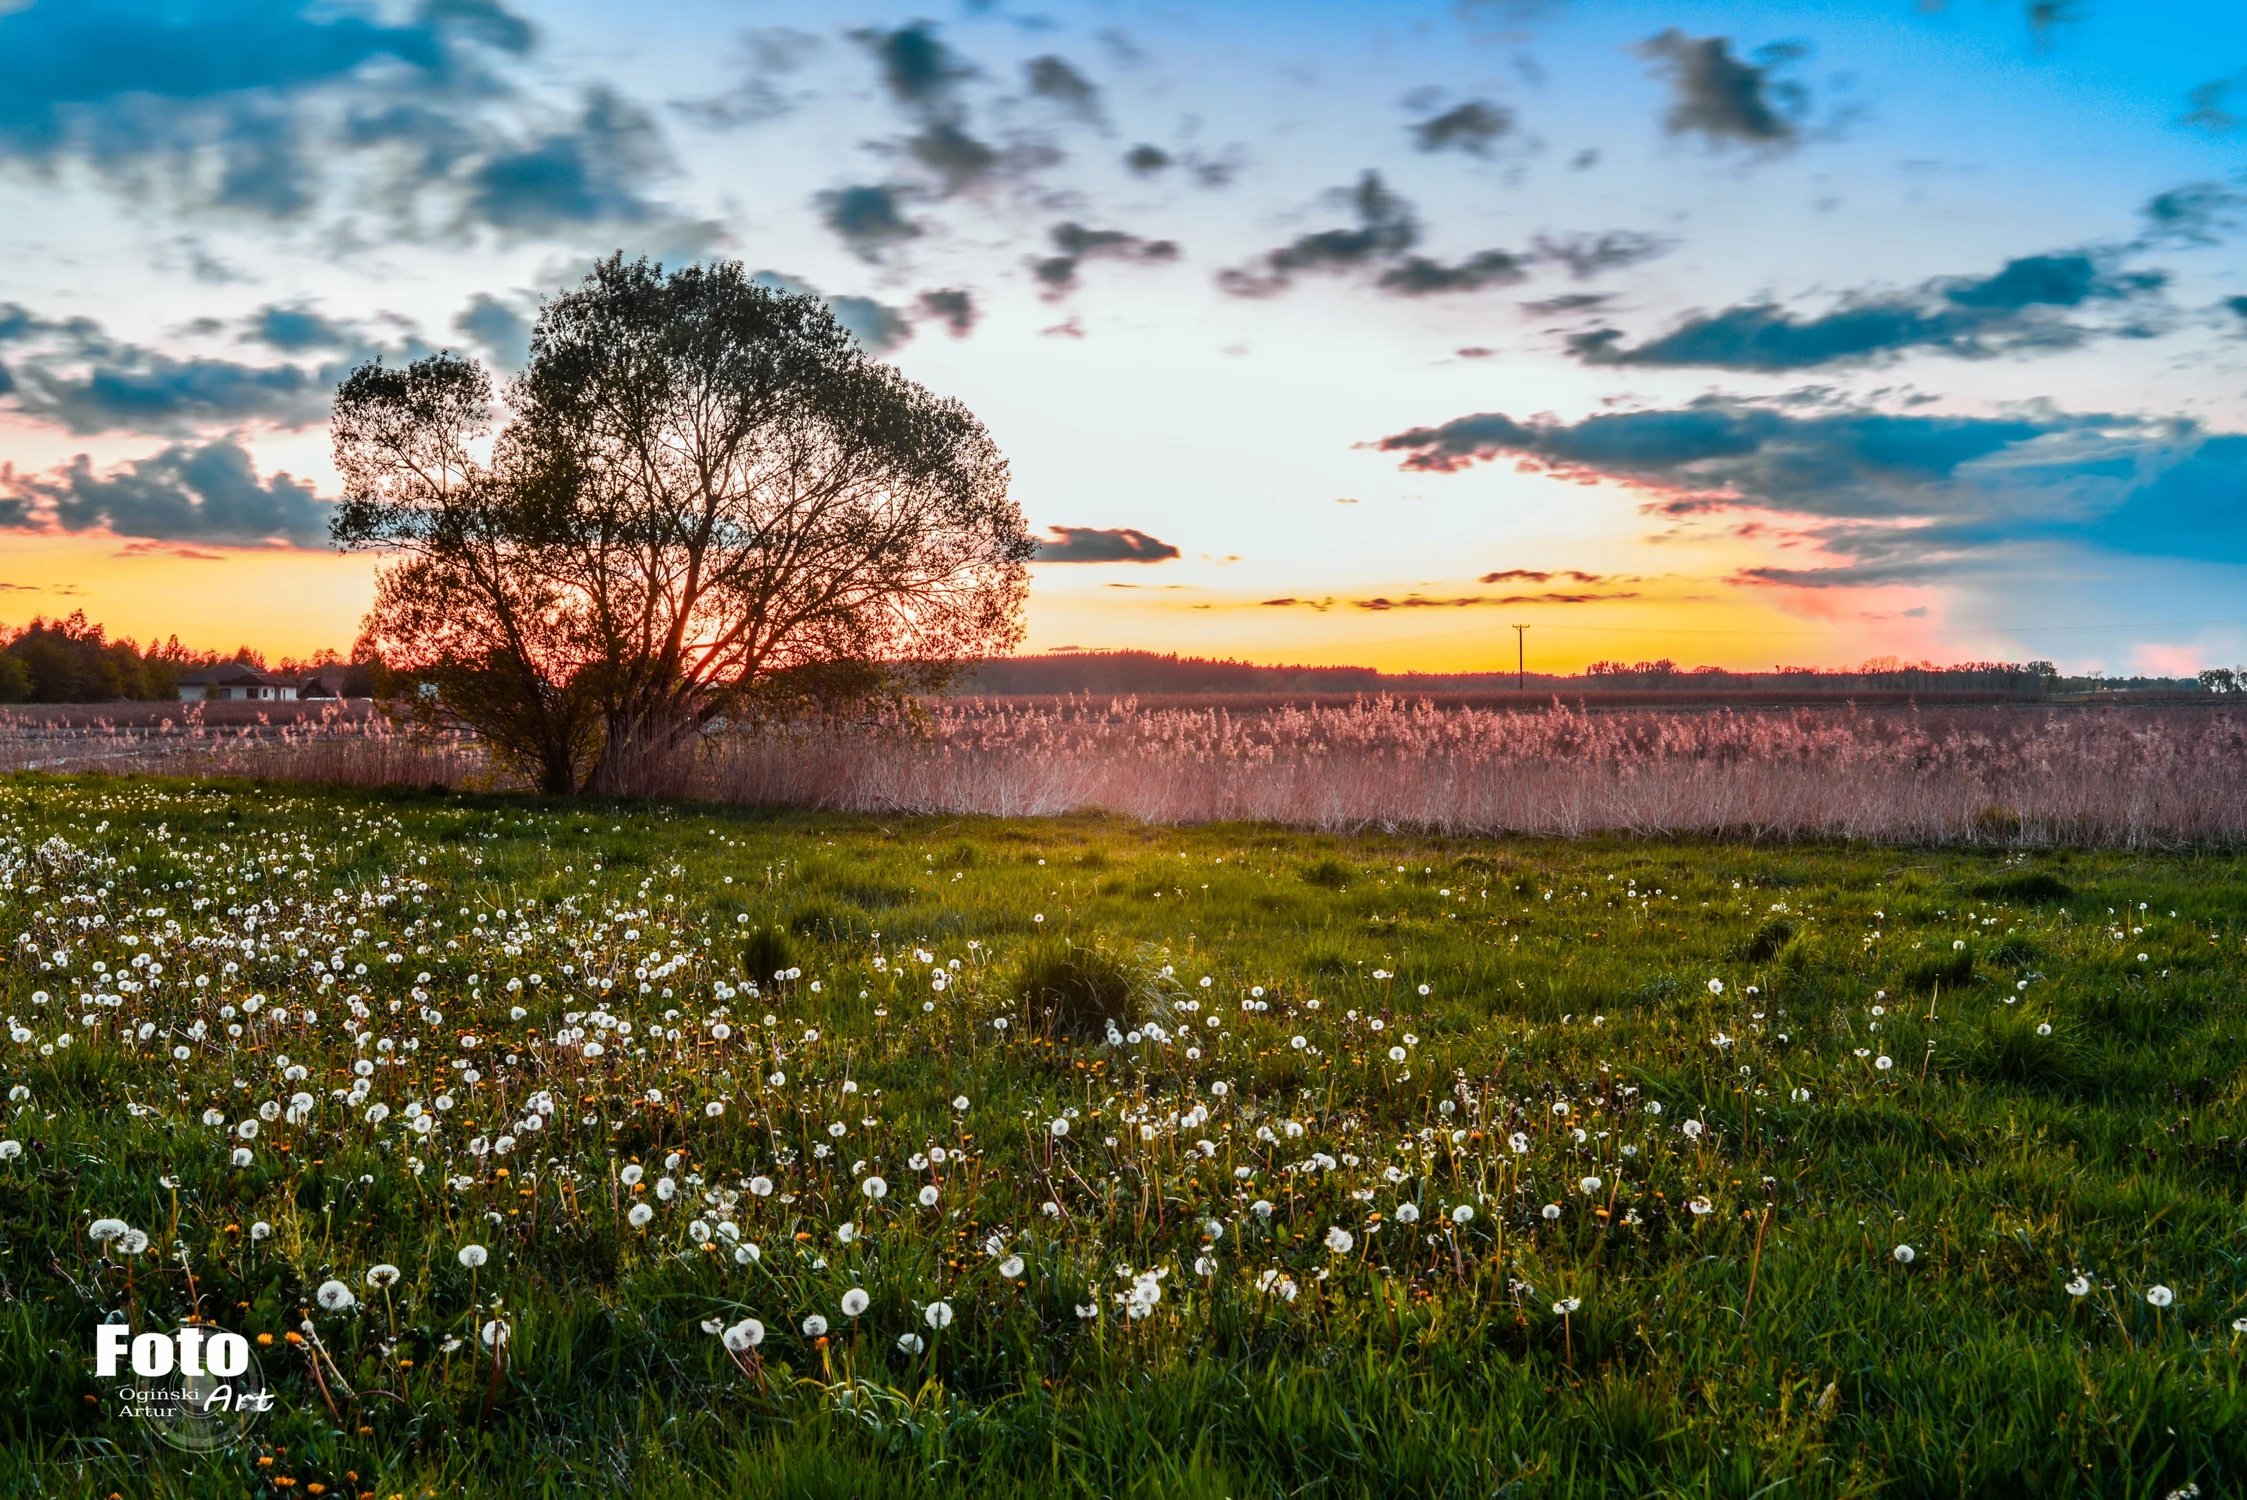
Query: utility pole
point(1521, 655)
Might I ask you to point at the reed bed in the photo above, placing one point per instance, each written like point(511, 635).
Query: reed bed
point(2004, 775)
point(333, 744)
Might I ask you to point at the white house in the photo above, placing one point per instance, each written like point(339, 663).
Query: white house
point(234, 682)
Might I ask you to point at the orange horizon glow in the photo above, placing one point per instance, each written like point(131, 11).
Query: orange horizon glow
point(292, 603)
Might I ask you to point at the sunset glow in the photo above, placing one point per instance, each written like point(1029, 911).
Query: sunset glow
point(1738, 335)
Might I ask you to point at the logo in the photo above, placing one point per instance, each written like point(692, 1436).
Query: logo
point(198, 1389)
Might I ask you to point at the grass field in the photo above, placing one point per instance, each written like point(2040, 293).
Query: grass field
point(1415, 1166)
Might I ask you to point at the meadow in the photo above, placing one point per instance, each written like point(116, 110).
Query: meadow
point(674, 1149)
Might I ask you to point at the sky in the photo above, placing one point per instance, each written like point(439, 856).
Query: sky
point(1738, 334)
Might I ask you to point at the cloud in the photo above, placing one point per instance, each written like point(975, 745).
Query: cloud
point(771, 53)
point(2238, 305)
point(950, 152)
point(952, 307)
point(1530, 575)
point(140, 390)
point(1088, 544)
point(919, 71)
point(1418, 276)
point(2211, 112)
point(1077, 244)
point(1145, 160)
point(1051, 77)
point(1468, 127)
point(1892, 497)
point(277, 110)
point(2196, 214)
point(878, 328)
point(1846, 462)
point(73, 373)
point(1724, 100)
point(588, 172)
point(2203, 498)
point(1417, 601)
point(1587, 255)
point(209, 494)
point(1568, 302)
point(1385, 229)
point(292, 330)
point(2015, 309)
point(501, 331)
point(868, 218)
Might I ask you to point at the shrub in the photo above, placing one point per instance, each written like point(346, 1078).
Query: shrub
point(1952, 970)
point(1768, 940)
point(2007, 1050)
point(1069, 989)
point(765, 952)
point(2029, 887)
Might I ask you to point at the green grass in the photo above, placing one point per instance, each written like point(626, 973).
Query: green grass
point(1426, 1359)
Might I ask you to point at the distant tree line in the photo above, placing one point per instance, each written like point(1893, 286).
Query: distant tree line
point(1147, 672)
point(73, 660)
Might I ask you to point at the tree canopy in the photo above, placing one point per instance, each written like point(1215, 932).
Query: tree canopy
point(699, 497)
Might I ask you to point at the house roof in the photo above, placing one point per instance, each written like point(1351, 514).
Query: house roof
point(232, 674)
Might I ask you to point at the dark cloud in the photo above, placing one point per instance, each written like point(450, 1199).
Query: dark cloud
point(293, 330)
point(1587, 255)
point(1077, 244)
point(1469, 601)
point(1568, 302)
point(1146, 160)
point(131, 389)
point(209, 494)
point(2198, 213)
point(1468, 127)
point(501, 331)
point(1088, 544)
point(2211, 112)
point(949, 151)
point(1896, 498)
point(2048, 16)
point(1051, 77)
point(2016, 309)
point(2238, 305)
point(1853, 462)
point(919, 71)
point(952, 307)
point(251, 107)
point(1418, 276)
point(878, 327)
point(1532, 575)
point(868, 218)
point(1385, 229)
point(2201, 499)
point(1719, 97)
point(590, 172)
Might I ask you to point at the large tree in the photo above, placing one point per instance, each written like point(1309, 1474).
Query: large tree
point(701, 493)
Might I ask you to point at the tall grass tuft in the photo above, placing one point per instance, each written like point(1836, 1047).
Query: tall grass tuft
point(1080, 991)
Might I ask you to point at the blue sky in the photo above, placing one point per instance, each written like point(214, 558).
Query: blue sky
point(1735, 333)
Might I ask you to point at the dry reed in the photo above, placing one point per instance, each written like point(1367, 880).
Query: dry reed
point(2003, 775)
